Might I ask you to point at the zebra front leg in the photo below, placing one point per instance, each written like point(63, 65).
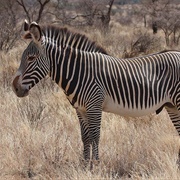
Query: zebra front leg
point(90, 134)
point(84, 135)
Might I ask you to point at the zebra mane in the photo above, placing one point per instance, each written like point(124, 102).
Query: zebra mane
point(167, 50)
point(63, 36)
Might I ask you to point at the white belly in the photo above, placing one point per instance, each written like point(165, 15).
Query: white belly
point(110, 106)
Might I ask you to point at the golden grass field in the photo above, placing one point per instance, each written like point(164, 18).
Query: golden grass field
point(40, 134)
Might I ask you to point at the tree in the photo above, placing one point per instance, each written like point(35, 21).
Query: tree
point(163, 15)
point(168, 21)
point(59, 12)
point(106, 16)
point(97, 12)
point(9, 32)
point(86, 12)
point(31, 8)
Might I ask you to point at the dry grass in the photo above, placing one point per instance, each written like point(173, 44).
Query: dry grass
point(40, 137)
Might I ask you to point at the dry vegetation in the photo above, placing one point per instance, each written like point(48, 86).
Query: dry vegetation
point(40, 134)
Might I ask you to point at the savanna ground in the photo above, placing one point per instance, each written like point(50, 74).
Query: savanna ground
point(40, 134)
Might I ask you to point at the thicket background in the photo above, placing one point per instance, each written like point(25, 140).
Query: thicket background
point(40, 134)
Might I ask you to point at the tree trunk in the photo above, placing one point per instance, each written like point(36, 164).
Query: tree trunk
point(105, 18)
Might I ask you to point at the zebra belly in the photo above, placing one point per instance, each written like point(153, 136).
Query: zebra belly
point(113, 107)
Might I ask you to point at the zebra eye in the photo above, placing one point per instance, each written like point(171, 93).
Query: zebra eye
point(30, 58)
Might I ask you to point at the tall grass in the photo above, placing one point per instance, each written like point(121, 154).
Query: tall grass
point(40, 134)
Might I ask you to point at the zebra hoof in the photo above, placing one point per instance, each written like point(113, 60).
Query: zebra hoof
point(85, 164)
point(96, 162)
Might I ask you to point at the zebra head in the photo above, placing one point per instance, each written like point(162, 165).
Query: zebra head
point(34, 64)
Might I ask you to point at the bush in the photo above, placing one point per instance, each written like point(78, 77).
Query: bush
point(142, 43)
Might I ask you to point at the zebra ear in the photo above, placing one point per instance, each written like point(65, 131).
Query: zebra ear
point(26, 28)
point(34, 31)
point(26, 25)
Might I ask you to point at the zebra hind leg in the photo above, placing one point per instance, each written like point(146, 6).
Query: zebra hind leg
point(94, 118)
point(174, 115)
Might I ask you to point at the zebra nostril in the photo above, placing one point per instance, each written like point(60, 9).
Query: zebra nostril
point(15, 83)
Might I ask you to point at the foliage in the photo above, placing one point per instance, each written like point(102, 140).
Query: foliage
point(40, 134)
point(33, 9)
point(9, 32)
point(159, 15)
point(142, 43)
point(163, 15)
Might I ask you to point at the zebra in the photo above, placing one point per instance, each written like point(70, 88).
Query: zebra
point(94, 81)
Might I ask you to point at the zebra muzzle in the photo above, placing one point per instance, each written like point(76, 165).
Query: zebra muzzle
point(19, 90)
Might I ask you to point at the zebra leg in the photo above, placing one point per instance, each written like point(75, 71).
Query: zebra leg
point(94, 119)
point(174, 115)
point(84, 134)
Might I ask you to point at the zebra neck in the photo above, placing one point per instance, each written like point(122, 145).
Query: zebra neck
point(64, 63)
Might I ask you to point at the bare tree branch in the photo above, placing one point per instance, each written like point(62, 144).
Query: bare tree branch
point(33, 11)
point(105, 18)
point(9, 31)
point(42, 5)
point(21, 3)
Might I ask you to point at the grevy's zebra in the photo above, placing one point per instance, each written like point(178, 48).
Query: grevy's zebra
point(94, 82)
